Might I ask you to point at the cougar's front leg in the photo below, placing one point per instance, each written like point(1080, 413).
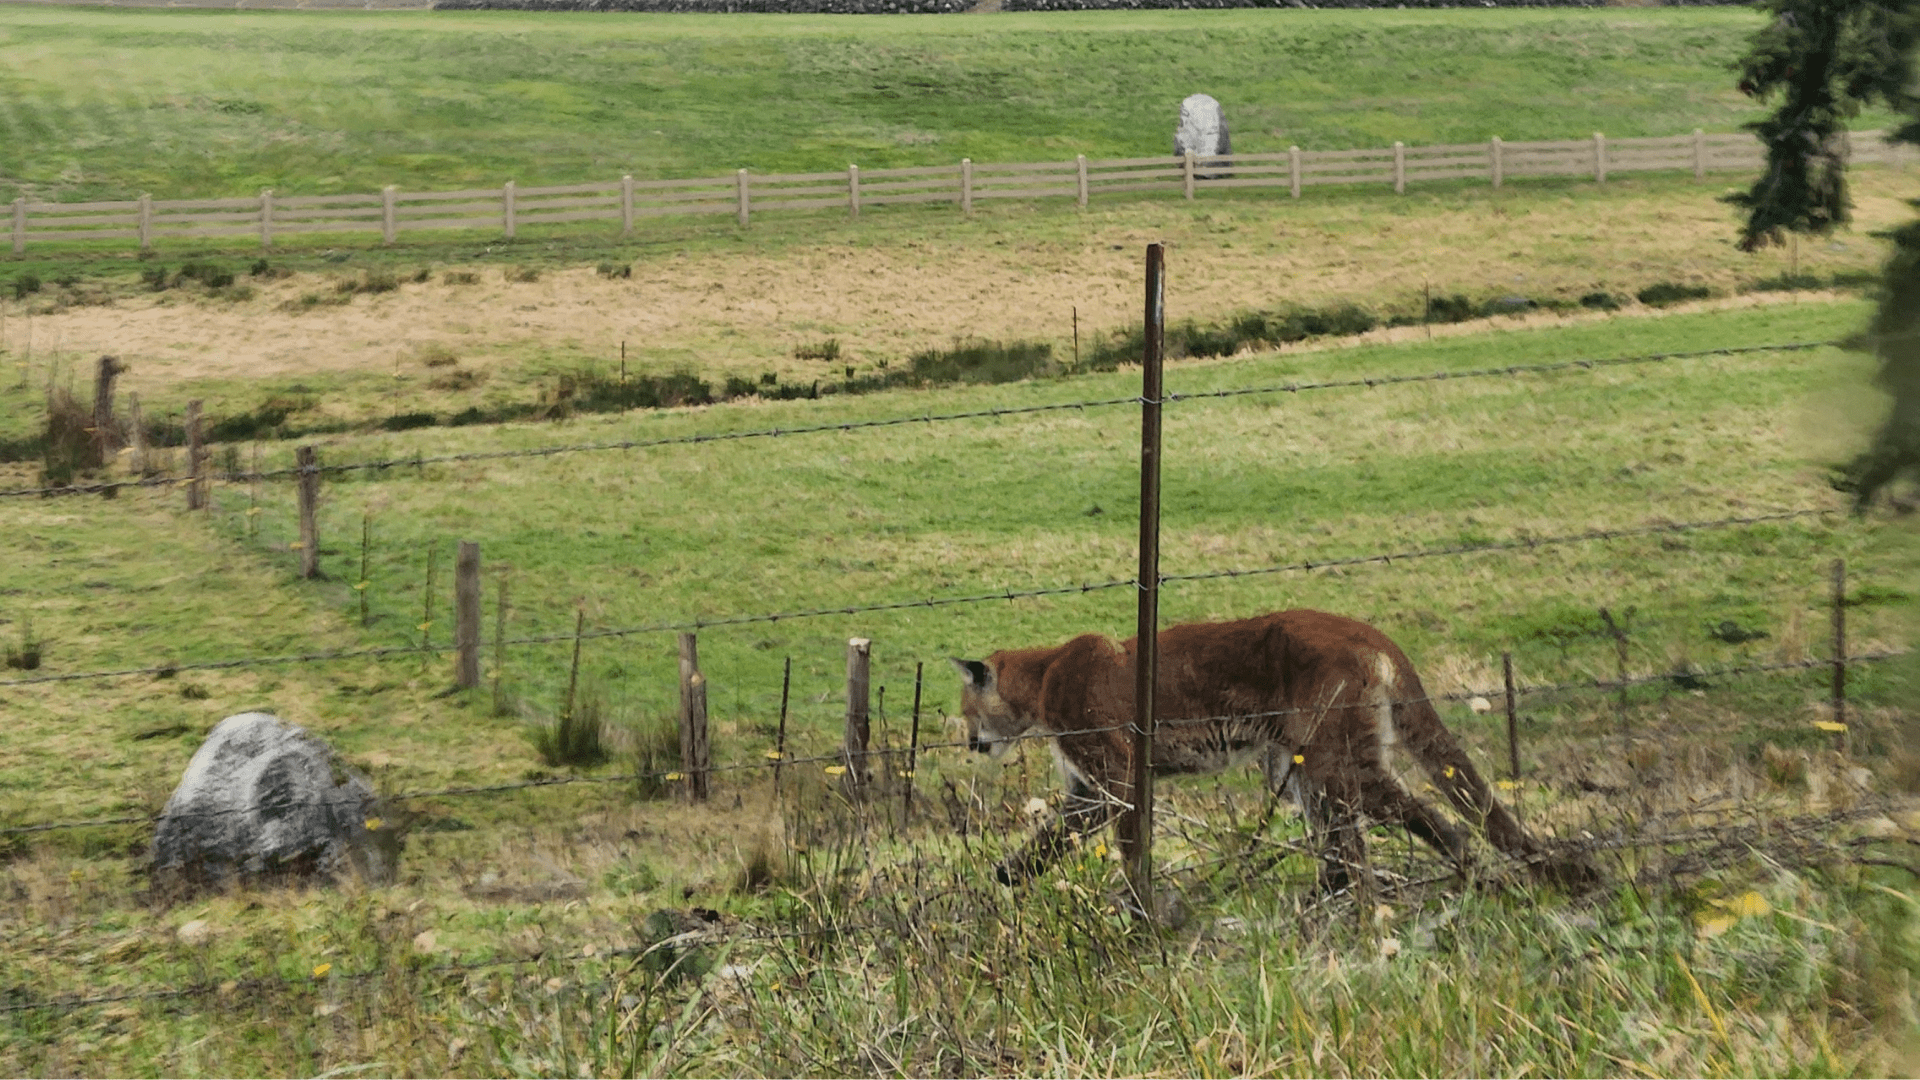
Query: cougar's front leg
point(1086, 811)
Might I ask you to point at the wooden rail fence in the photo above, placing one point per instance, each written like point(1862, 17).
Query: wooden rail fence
point(509, 208)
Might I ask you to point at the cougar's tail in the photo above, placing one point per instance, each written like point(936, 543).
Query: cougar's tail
point(1427, 737)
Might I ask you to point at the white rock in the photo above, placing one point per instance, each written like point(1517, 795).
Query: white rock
point(1481, 706)
point(195, 933)
point(425, 941)
point(262, 796)
point(1203, 128)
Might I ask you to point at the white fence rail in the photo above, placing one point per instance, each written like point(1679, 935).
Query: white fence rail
point(507, 209)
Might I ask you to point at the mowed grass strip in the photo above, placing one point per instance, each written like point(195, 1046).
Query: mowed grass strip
point(926, 511)
point(109, 103)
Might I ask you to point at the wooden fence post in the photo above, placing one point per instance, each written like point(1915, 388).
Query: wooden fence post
point(859, 653)
point(136, 435)
point(307, 458)
point(466, 616)
point(1080, 167)
point(1293, 159)
point(146, 221)
point(266, 219)
point(1699, 156)
point(780, 738)
point(913, 749)
point(1840, 653)
point(1186, 174)
point(1513, 719)
point(693, 720)
point(19, 224)
point(196, 459)
point(1496, 161)
point(742, 196)
point(1599, 158)
point(507, 215)
point(853, 190)
point(1399, 168)
point(389, 213)
point(103, 433)
point(1136, 822)
point(966, 186)
point(626, 205)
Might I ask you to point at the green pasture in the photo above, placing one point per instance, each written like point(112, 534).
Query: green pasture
point(102, 103)
point(836, 519)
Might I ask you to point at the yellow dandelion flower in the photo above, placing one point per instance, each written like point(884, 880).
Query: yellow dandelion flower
point(774, 755)
point(424, 627)
point(253, 511)
point(1829, 725)
point(836, 770)
point(360, 586)
point(676, 776)
point(1099, 851)
point(320, 970)
point(295, 546)
point(374, 823)
point(1299, 759)
point(1449, 772)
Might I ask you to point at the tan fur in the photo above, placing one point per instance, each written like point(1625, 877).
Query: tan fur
point(1326, 697)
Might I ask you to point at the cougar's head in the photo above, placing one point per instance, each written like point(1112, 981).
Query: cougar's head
point(991, 722)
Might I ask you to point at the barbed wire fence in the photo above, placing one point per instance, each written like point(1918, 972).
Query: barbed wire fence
point(773, 760)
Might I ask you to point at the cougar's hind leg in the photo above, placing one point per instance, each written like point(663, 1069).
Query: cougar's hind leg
point(1086, 811)
point(1390, 803)
point(1333, 825)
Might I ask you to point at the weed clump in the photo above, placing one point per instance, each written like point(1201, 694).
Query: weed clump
point(70, 446)
point(1788, 283)
point(371, 281)
point(25, 656)
point(460, 277)
point(656, 752)
point(436, 355)
point(455, 379)
point(978, 361)
point(25, 285)
point(1600, 301)
point(265, 421)
point(1667, 293)
point(521, 275)
point(826, 351)
point(574, 738)
point(614, 270)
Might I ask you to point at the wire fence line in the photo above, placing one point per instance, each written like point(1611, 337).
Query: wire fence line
point(699, 438)
point(773, 759)
point(696, 624)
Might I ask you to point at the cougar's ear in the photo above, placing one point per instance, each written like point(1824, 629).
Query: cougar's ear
point(977, 674)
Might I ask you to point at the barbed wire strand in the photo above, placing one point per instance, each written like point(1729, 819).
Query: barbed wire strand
point(422, 460)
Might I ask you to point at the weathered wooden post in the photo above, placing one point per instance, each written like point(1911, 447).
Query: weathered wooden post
point(743, 197)
point(1080, 168)
point(1599, 158)
point(853, 191)
point(466, 616)
point(1699, 156)
point(508, 215)
point(780, 738)
point(1186, 174)
point(19, 224)
point(145, 228)
point(266, 219)
point(626, 205)
point(1136, 823)
point(1513, 719)
point(1840, 654)
point(693, 720)
point(966, 186)
point(858, 729)
point(103, 433)
point(1496, 158)
point(307, 459)
point(196, 459)
point(1399, 168)
point(1293, 160)
point(389, 214)
point(137, 435)
point(913, 750)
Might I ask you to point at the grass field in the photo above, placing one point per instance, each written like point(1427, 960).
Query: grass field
point(1759, 914)
point(904, 513)
point(98, 104)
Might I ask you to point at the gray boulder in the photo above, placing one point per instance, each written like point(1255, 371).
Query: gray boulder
point(261, 797)
point(1202, 130)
